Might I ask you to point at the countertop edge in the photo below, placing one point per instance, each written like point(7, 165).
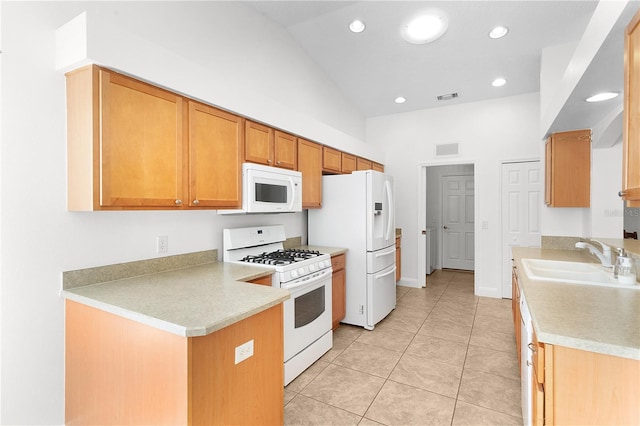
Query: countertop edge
point(266, 297)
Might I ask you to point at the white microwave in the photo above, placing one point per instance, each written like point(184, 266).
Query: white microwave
point(268, 189)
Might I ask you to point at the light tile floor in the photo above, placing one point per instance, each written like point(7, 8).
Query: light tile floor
point(442, 357)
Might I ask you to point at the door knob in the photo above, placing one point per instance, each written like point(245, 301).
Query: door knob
point(445, 227)
point(424, 232)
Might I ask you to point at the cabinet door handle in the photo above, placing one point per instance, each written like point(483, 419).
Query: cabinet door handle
point(196, 202)
point(178, 202)
point(622, 193)
point(445, 227)
point(532, 348)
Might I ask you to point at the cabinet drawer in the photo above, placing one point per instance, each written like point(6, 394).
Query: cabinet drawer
point(338, 262)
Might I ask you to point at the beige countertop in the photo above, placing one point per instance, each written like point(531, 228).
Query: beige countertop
point(189, 302)
point(598, 319)
point(332, 251)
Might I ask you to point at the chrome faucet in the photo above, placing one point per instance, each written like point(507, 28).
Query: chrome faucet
point(604, 256)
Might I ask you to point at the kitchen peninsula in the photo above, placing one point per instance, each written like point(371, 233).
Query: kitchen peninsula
point(161, 347)
point(586, 346)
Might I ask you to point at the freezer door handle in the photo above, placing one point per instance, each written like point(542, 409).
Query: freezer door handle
point(387, 187)
point(386, 253)
point(393, 270)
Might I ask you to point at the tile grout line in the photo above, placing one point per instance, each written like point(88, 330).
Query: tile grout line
point(403, 352)
point(466, 354)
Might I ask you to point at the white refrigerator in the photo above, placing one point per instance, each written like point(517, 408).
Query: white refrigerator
point(358, 214)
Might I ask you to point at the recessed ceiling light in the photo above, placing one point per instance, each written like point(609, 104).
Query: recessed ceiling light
point(499, 82)
point(400, 100)
point(357, 26)
point(425, 28)
point(498, 32)
point(605, 96)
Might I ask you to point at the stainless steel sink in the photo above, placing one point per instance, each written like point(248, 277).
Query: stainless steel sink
point(572, 272)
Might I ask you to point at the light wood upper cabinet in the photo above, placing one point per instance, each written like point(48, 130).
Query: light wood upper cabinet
point(132, 145)
point(331, 160)
point(285, 150)
point(270, 147)
point(259, 143)
point(363, 164)
point(377, 167)
point(310, 164)
point(348, 163)
point(568, 169)
point(216, 145)
point(631, 116)
point(125, 142)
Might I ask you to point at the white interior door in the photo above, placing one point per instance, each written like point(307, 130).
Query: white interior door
point(522, 199)
point(458, 222)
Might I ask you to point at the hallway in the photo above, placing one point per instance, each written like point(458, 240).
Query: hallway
point(442, 357)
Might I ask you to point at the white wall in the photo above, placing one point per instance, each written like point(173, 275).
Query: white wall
point(40, 239)
point(607, 209)
point(488, 132)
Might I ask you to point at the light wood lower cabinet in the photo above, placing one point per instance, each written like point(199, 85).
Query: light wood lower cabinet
point(338, 288)
point(515, 310)
point(119, 371)
point(581, 387)
point(398, 259)
point(268, 281)
point(577, 387)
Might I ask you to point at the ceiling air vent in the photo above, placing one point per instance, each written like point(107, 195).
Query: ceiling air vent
point(448, 96)
point(446, 149)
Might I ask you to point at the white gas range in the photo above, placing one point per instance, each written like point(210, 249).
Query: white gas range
point(307, 276)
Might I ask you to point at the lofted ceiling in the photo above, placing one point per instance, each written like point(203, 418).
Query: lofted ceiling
point(374, 67)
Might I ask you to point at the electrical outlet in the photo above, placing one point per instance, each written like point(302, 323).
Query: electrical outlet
point(162, 244)
point(244, 351)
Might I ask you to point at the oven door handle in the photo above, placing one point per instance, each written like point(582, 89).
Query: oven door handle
point(318, 276)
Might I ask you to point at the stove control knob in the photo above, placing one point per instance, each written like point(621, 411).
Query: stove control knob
point(312, 267)
point(301, 271)
point(294, 274)
point(321, 264)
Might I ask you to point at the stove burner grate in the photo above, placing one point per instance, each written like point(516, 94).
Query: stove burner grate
point(282, 256)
